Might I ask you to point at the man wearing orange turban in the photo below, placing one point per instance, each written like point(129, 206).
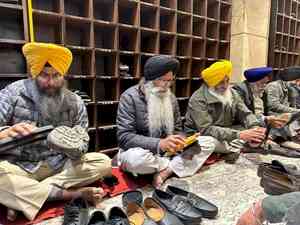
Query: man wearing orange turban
point(34, 173)
point(215, 109)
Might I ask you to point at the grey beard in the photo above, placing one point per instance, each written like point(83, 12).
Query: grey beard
point(160, 111)
point(50, 106)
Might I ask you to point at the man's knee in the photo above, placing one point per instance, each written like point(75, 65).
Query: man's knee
point(137, 160)
point(98, 163)
point(208, 143)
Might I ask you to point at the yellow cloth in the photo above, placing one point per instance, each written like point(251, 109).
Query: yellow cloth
point(38, 54)
point(214, 74)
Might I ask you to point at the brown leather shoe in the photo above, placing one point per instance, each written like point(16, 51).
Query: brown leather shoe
point(278, 178)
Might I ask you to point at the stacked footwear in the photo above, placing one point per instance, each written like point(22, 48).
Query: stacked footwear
point(278, 178)
point(274, 150)
point(174, 206)
point(124, 70)
point(147, 212)
point(71, 141)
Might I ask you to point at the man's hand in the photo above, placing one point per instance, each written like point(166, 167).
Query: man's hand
point(253, 216)
point(254, 135)
point(278, 121)
point(20, 129)
point(172, 143)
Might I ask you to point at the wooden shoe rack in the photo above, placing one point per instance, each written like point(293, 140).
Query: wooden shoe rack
point(284, 41)
point(102, 34)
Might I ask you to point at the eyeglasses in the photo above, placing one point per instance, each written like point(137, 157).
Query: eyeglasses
point(167, 81)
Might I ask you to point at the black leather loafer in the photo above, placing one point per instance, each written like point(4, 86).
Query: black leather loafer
point(178, 206)
point(158, 214)
point(207, 209)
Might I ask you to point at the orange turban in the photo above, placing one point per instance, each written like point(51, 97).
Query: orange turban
point(38, 54)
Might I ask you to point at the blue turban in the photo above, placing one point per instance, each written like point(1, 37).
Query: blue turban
point(256, 74)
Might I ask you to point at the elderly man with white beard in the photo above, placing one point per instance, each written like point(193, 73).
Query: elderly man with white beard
point(251, 92)
point(149, 123)
point(216, 110)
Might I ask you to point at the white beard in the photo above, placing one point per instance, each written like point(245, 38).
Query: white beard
point(160, 110)
point(256, 91)
point(225, 98)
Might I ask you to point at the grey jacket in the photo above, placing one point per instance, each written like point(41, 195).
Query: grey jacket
point(208, 115)
point(245, 93)
point(132, 121)
point(19, 102)
point(244, 90)
point(280, 98)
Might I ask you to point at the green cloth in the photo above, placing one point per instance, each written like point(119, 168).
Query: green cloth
point(279, 98)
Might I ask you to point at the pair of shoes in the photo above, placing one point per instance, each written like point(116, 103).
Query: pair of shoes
point(38, 134)
point(147, 212)
point(77, 212)
point(207, 209)
point(116, 216)
point(179, 206)
point(71, 141)
point(278, 178)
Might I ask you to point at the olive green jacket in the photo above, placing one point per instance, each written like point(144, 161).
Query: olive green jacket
point(280, 98)
point(208, 115)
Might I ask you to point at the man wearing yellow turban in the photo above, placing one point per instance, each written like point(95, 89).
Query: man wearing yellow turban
point(34, 174)
point(215, 109)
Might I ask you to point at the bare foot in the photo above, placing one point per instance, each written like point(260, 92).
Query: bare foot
point(11, 215)
point(92, 194)
point(160, 177)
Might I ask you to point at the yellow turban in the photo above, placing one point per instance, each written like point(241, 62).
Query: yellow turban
point(214, 74)
point(38, 54)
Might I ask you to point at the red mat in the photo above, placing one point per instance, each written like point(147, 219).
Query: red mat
point(126, 182)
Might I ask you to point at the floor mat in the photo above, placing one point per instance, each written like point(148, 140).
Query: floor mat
point(124, 182)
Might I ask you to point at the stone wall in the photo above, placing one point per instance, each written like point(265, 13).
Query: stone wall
point(249, 35)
